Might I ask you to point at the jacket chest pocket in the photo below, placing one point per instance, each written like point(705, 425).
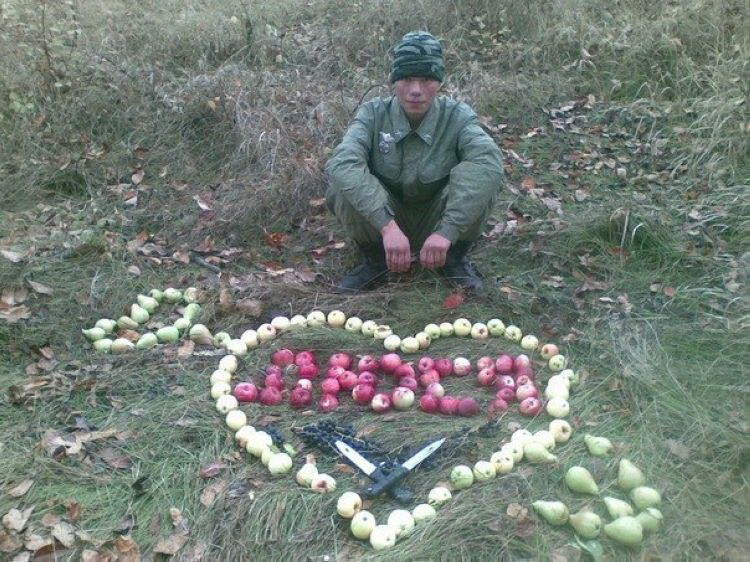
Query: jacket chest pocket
point(437, 166)
point(388, 164)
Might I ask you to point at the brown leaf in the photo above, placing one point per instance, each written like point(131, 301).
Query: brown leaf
point(205, 201)
point(182, 256)
point(65, 533)
point(24, 556)
point(50, 519)
point(345, 468)
point(567, 553)
point(525, 528)
point(134, 270)
point(678, 449)
point(195, 554)
point(250, 307)
point(74, 510)
point(15, 519)
point(517, 511)
point(9, 541)
point(14, 314)
point(127, 549)
point(670, 292)
point(21, 488)
point(581, 195)
point(39, 288)
point(212, 491)
point(171, 544)
point(186, 349)
point(528, 183)
point(226, 302)
point(36, 542)
point(137, 176)
point(115, 459)
point(213, 469)
point(93, 556)
point(276, 240)
point(453, 301)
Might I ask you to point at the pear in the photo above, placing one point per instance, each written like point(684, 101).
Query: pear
point(104, 345)
point(598, 446)
point(139, 314)
point(106, 324)
point(650, 519)
point(149, 303)
point(94, 333)
point(536, 453)
point(157, 295)
point(200, 334)
point(192, 311)
point(629, 476)
point(625, 530)
point(580, 480)
point(617, 508)
point(127, 323)
point(644, 497)
point(586, 523)
point(554, 513)
point(147, 341)
point(168, 334)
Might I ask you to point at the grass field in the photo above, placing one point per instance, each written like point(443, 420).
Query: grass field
point(146, 146)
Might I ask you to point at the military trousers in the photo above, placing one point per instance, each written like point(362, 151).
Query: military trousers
point(417, 221)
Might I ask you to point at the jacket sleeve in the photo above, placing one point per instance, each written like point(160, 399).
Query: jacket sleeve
point(474, 181)
point(348, 171)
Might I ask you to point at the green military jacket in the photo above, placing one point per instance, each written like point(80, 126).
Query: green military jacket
point(381, 154)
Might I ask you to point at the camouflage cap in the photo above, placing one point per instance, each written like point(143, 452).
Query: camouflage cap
point(418, 54)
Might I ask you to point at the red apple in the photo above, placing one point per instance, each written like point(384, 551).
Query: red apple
point(526, 391)
point(486, 377)
point(448, 405)
point(426, 379)
point(461, 366)
point(347, 380)
point(308, 371)
point(504, 364)
point(381, 402)
point(436, 388)
point(506, 381)
point(363, 393)
point(343, 360)
point(300, 398)
point(246, 392)
point(274, 380)
point(270, 396)
point(282, 357)
point(429, 403)
point(405, 370)
point(425, 364)
point(523, 379)
point(468, 407)
point(507, 394)
point(548, 350)
point(485, 363)
point(330, 386)
point(304, 357)
point(366, 377)
point(497, 407)
point(274, 370)
point(335, 372)
point(408, 382)
point(390, 362)
point(305, 383)
point(328, 403)
point(402, 398)
point(444, 366)
point(368, 363)
point(530, 406)
point(521, 362)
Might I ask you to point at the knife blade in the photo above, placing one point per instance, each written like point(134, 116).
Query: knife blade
point(399, 493)
point(397, 474)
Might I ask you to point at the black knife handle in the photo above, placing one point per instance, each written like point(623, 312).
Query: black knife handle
point(384, 484)
point(398, 493)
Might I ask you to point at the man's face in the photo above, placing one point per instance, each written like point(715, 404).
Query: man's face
point(416, 94)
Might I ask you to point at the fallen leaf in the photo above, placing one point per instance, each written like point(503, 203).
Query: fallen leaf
point(212, 491)
point(581, 195)
point(525, 528)
point(670, 292)
point(15, 519)
point(454, 300)
point(516, 511)
point(528, 183)
point(14, 314)
point(93, 556)
point(213, 469)
point(345, 468)
point(65, 533)
point(204, 201)
point(134, 270)
point(12, 256)
point(195, 554)
point(39, 288)
point(276, 240)
point(127, 549)
point(36, 542)
point(9, 542)
point(186, 349)
point(21, 488)
point(115, 459)
point(137, 177)
point(171, 544)
point(50, 519)
point(250, 307)
point(226, 302)
point(74, 510)
point(22, 557)
point(678, 449)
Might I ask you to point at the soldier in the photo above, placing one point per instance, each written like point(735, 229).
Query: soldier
point(413, 172)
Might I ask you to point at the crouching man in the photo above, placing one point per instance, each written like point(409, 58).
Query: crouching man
point(414, 173)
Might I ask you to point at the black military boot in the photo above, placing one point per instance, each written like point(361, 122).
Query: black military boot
point(459, 270)
point(371, 270)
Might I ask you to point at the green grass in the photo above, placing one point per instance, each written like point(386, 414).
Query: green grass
point(641, 282)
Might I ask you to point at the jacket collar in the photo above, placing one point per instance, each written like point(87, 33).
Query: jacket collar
point(402, 127)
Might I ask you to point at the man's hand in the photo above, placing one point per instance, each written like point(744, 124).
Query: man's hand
point(397, 249)
point(434, 251)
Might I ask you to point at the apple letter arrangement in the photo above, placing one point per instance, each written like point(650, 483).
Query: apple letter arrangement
point(294, 375)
